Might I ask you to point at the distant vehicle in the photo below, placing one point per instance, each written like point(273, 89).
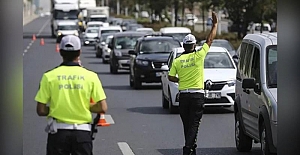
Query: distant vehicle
point(109, 29)
point(101, 43)
point(120, 45)
point(222, 43)
point(177, 32)
point(148, 57)
point(255, 28)
point(66, 28)
point(106, 50)
point(255, 105)
point(95, 24)
point(133, 27)
point(218, 67)
point(145, 29)
point(126, 22)
point(90, 36)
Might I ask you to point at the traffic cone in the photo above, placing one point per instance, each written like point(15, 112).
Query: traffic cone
point(57, 50)
point(42, 42)
point(102, 121)
point(33, 37)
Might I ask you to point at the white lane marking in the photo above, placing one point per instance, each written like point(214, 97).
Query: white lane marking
point(32, 41)
point(109, 119)
point(124, 147)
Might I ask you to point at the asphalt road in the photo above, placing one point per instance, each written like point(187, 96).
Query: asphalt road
point(141, 126)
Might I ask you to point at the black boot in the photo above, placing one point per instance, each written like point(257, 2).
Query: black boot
point(194, 149)
point(187, 150)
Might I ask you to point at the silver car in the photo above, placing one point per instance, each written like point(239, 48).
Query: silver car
point(256, 93)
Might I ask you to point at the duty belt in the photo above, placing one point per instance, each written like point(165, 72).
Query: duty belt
point(53, 125)
point(192, 91)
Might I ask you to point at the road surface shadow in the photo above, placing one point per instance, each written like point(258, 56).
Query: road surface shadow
point(29, 35)
point(89, 52)
point(124, 87)
point(149, 87)
point(91, 57)
point(217, 110)
point(97, 62)
point(212, 151)
point(149, 110)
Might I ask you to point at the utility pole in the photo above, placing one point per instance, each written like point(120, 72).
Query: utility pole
point(183, 10)
point(118, 7)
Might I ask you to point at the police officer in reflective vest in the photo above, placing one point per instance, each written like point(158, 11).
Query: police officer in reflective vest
point(68, 89)
point(189, 68)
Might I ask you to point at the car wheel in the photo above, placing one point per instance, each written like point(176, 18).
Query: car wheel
point(242, 141)
point(264, 142)
point(137, 84)
point(172, 109)
point(165, 103)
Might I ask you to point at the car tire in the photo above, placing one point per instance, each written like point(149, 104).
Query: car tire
point(137, 84)
point(242, 141)
point(264, 141)
point(172, 109)
point(165, 103)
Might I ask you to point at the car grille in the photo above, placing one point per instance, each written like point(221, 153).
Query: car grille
point(218, 85)
point(158, 64)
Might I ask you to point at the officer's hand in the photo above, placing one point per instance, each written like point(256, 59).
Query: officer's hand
point(214, 18)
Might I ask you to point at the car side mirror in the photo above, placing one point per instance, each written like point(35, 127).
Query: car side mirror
point(131, 52)
point(248, 83)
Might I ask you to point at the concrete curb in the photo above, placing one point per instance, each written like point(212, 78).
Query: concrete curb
point(27, 20)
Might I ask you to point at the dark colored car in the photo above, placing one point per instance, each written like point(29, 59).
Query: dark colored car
point(222, 43)
point(120, 44)
point(126, 22)
point(150, 54)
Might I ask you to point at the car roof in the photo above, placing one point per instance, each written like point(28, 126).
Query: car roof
point(111, 28)
point(129, 33)
point(157, 37)
point(263, 38)
point(175, 30)
point(145, 28)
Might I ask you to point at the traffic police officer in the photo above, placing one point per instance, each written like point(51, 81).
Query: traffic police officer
point(68, 90)
point(189, 67)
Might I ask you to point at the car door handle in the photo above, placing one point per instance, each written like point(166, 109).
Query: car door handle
point(246, 91)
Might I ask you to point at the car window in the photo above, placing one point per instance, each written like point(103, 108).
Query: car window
point(109, 31)
point(272, 67)
point(247, 60)
point(218, 60)
point(223, 44)
point(92, 31)
point(126, 42)
point(242, 56)
point(67, 27)
point(255, 67)
point(158, 46)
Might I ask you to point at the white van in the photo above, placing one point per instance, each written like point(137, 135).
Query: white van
point(109, 29)
point(177, 32)
point(255, 28)
point(67, 27)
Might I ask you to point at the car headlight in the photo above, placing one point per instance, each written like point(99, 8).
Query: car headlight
point(59, 33)
point(231, 83)
point(76, 33)
point(108, 50)
point(118, 53)
point(142, 62)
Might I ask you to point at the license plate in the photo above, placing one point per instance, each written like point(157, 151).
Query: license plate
point(213, 95)
point(158, 73)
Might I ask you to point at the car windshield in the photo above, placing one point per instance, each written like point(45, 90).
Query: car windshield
point(216, 60)
point(272, 66)
point(101, 19)
point(265, 28)
point(92, 31)
point(126, 42)
point(158, 46)
point(67, 27)
point(72, 15)
point(224, 44)
point(109, 31)
point(178, 36)
point(103, 37)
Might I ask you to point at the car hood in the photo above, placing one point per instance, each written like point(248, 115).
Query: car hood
point(91, 35)
point(273, 91)
point(161, 57)
point(123, 51)
point(219, 74)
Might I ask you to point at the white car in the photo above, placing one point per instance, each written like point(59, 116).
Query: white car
point(106, 50)
point(67, 27)
point(219, 67)
point(145, 29)
point(90, 36)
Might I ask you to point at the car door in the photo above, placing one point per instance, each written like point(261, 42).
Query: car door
point(244, 73)
point(254, 99)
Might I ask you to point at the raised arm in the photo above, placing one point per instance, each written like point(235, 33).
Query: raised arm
point(213, 30)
